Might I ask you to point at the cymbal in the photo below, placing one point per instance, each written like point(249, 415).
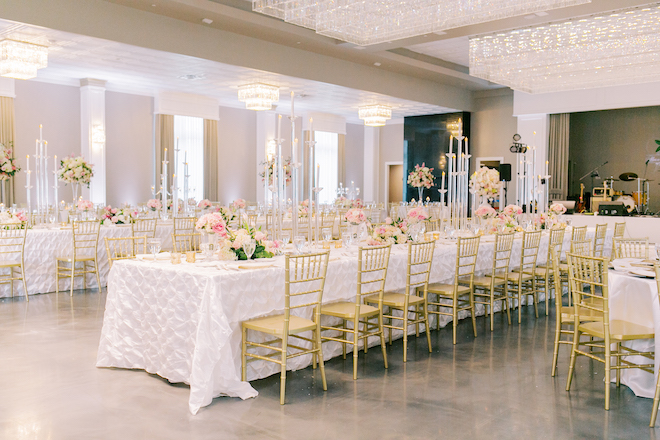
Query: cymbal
point(628, 177)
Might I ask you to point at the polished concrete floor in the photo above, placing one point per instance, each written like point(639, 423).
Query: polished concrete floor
point(497, 385)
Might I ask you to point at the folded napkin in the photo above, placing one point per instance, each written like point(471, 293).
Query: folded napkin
point(160, 256)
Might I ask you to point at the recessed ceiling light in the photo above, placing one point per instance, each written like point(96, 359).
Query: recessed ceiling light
point(192, 77)
point(377, 64)
point(153, 5)
point(207, 20)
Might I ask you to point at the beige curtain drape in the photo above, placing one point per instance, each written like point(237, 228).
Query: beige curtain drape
point(341, 166)
point(164, 139)
point(211, 159)
point(7, 137)
point(558, 156)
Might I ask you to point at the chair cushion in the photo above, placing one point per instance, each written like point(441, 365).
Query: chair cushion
point(447, 289)
point(485, 281)
point(619, 330)
point(568, 314)
point(78, 257)
point(274, 325)
point(396, 300)
point(515, 277)
point(346, 309)
point(9, 263)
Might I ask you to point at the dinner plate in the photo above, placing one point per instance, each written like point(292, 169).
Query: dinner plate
point(643, 273)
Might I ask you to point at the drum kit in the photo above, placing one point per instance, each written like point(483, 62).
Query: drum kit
point(638, 200)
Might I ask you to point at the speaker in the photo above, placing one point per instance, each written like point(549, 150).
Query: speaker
point(612, 208)
point(505, 172)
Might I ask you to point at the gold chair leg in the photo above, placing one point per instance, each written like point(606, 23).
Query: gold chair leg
point(243, 351)
point(417, 319)
point(98, 278)
point(547, 291)
point(356, 339)
point(73, 272)
point(555, 353)
point(571, 365)
point(319, 353)
point(454, 319)
point(535, 297)
point(608, 367)
point(506, 303)
point(405, 335)
point(656, 402)
point(57, 277)
point(345, 337)
point(391, 321)
point(27, 297)
point(618, 364)
point(472, 313)
point(426, 326)
point(519, 303)
point(492, 311)
point(382, 337)
point(283, 369)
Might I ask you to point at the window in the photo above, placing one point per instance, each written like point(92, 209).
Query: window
point(327, 160)
point(189, 133)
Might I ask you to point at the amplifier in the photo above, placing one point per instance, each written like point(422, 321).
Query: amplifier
point(612, 208)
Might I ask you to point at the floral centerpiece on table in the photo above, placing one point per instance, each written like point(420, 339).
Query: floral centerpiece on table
point(357, 203)
point(551, 218)
point(286, 167)
point(170, 205)
point(485, 182)
point(389, 233)
point(238, 204)
point(204, 204)
point(10, 221)
point(485, 212)
point(84, 205)
point(512, 210)
point(417, 215)
point(7, 166)
point(154, 204)
point(213, 223)
point(303, 211)
point(117, 216)
point(504, 223)
point(557, 209)
point(355, 216)
point(421, 177)
point(75, 170)
point(231, 247)
point(227, 214)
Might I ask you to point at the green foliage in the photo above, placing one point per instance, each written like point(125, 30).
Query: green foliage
point(259, 252)
point(657, 141)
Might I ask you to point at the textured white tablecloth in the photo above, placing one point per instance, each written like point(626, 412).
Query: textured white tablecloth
point(43, 245)
point(182, 322)
point(635, 300)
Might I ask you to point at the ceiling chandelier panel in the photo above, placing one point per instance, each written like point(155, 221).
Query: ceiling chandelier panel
point(365, 22)
point(258, 96)
point(375, 115)
point(598, 51)
point(20, 59)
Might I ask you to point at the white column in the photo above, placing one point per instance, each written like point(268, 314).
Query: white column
point(92, 145)
point(371, 157)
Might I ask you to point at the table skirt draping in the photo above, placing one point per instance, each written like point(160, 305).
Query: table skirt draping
point(635, 300)
point(42, 246)
point(182, 322)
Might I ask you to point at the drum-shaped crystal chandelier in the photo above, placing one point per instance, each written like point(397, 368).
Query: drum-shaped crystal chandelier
point(258, 96)
point(21, 59)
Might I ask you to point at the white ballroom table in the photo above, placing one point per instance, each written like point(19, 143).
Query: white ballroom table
point(43, 244)
point(182, 322)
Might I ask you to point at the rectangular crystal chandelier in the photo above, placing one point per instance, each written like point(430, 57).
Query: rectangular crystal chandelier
point(365, 22)
point(20, 59)
point(603, 50)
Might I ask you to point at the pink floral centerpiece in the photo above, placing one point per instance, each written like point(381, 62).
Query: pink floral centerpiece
point(557, 209)
point(485, 212)
point(485, 182)
point(231, 247)
point(416, 215)
point(512, 210)
point(421, 177)
point(204, 204)
point(355, 216)
point(84, 205)
point(238, 204)
point(213, 223)
point(9, 220)
point(154, 204)
point(118, 216)
point(385, 234)
point(7, 166)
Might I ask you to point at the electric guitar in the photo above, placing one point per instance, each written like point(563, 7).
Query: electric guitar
point(581, 207)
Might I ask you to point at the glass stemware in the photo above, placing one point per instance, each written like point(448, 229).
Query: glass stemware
point(346, 239)
point(249, 247)
point(299, 243)
point(327, 234)
point(154, 245)
point(286, 237)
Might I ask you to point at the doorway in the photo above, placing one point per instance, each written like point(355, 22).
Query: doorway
point(394, 184)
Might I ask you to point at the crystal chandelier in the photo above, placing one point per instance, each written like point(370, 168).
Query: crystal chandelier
point(365, 22)
point(258, 96)
point(597, 51)
point(20, 59)
point(375, 115)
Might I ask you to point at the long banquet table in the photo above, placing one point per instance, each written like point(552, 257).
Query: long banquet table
point(182, 322)
point(43, 244)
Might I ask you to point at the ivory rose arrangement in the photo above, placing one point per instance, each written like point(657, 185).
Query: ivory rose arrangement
point(355, 216)
point(485, 182)
point(346, 203)
point(238, 204)
point(421, 177)
point(416, 215)
point(118, 216)
point(154, 204)
point(7, 166)
point(557, 209)
point(385, 234)
point(75, 170)
point(9, 220)
point(512, 210)
point(213, 223)
point(286, 167)
point(84, 205)
point(485, 212)
point(231, 247)
point(205, 203)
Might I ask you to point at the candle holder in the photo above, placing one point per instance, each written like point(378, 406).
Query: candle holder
point(442, 196)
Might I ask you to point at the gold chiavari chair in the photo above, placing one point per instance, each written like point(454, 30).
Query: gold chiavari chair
point(184, 225)
point(459, 295)
point(124, 248)
point(493, 286)
point(372, 272)
point(304, 279)
point(588, 281)
point(619, 230)
point(420, 257)
point(599, 240)
point(631, 248)
point(186, 242)
point(85, 251)
point(522, 281)
point(656, 398)
point(144, 227)
point(579, 233)
point(12, 247)
point(544, 273)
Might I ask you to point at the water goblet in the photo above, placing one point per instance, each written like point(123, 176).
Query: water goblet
point(299, 243)
point(657, 251)
point(154, 245)
point(249, 247)
point(286, 237)
point(346, 239)
point(51, 218)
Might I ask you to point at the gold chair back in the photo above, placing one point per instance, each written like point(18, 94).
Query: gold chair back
point(466, 260)
point(12, 249)
point(124, 248)
point(599, 240)
point(372, 272)
point(85, 238)
point(144, 227)
point(502, 255)
point(304, 280)
point(556, 239)
point(631, 248)
point(619, 229)
point(579, 233)
point(184, 225)
point(587, 279)
point(186, 242)
point(529, 252)
point(420, 258)
point(583, 248)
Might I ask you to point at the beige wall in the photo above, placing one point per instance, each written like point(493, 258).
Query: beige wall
point(129, 148)
point(57, 108)
point(237, 154)
point(391, 150)
point(354, 155)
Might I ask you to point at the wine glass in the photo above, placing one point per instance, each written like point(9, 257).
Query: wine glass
point(249, 247)
point(154, 246)
point(51, 218)
point(286, 237)
point(346, 239)
point(327, 234)
point(657, 251)
point(299, 243)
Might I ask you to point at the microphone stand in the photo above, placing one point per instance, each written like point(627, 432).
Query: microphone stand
point(593, 173)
